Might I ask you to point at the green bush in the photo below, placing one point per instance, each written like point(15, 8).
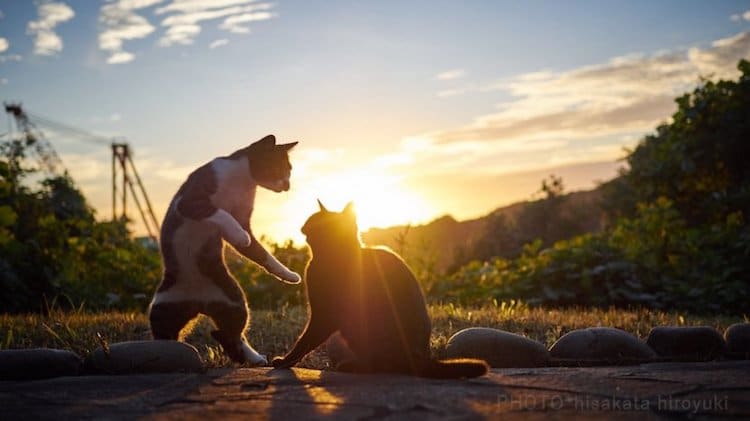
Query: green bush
point(679, 237)
point(677, 234)
point(263, 290)
point(53, 252)
point(51, 248)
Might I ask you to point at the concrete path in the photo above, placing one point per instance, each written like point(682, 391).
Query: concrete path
point(649, 391)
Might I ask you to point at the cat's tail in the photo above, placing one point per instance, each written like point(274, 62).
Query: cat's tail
point(454, 369)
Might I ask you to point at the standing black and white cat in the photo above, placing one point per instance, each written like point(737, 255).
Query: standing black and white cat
point(215, 203)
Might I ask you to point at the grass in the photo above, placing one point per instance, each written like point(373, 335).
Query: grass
point(273, 332)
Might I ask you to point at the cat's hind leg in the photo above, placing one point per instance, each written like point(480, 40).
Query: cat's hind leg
point(168, 318)
point(227, 309)
point(231, 320)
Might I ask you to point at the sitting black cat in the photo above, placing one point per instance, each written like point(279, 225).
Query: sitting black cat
point(373, 299)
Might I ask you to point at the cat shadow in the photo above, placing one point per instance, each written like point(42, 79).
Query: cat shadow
point(337, 395)
point(298, 388)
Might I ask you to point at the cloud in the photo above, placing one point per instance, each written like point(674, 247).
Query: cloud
point(451, 74)
point(188, 6)
point(179, 34)
point(137, 4)
point(185, 16)
point(119, 23)
point(629, 93)
point(237, 23)
point(720, 59)
point(87, 168)
point(218, 43)
point(451, 92)
point(584, 114)
point(740, 16)
point(3, 41)
point(193, 17)
point(120, 57)
point(122, 21)
point(51, 14)
point(10, 57)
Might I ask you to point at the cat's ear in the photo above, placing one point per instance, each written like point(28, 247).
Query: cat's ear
point(322, 208)
point(349, 208)
point(287, 146)
point(267, 142)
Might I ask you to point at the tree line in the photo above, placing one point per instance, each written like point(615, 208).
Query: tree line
point(675, 233)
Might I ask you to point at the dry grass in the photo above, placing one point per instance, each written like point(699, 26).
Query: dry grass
point(273, 332)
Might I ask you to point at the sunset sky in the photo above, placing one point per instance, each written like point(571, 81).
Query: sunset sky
point(413, 109)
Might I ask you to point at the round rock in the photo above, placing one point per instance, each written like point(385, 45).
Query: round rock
point(601, 344)
point(158, 356)
point(738, 340)
point(38, 363)
point(498, 348)
point(687, 343)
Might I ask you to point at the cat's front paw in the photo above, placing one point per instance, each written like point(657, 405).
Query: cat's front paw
point(291, 277)
point(258, 361)
point(252, 357)
point(288, 276)
point(280, 271)
point(281, 362)
point(239, 238)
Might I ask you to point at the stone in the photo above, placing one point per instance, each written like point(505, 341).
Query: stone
point(687, 343)
point(38, 363)
point(158, 356)
point(601, 344)
point(498, 348)
point(738, 340)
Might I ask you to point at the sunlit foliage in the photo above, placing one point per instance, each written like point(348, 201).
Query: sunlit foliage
point(679, 235)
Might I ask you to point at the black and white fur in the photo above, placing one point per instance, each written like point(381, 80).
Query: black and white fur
point(214, 204)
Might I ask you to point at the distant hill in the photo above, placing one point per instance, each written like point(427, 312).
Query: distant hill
point(453, 242)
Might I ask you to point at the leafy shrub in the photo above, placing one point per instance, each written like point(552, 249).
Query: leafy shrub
point(679, 237)
point(263, 290)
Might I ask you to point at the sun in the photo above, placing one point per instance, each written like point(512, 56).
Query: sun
point(379, 200)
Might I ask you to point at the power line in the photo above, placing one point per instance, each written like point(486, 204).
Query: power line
point(70, 130)
point(28, 123)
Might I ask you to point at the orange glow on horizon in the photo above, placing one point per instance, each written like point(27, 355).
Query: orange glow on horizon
point(380, 205)
point(380, 200)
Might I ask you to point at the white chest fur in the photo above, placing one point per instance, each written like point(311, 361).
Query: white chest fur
point(236, 188)
point(235, 194)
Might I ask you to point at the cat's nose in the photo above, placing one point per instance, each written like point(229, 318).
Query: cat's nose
point(285, 185)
